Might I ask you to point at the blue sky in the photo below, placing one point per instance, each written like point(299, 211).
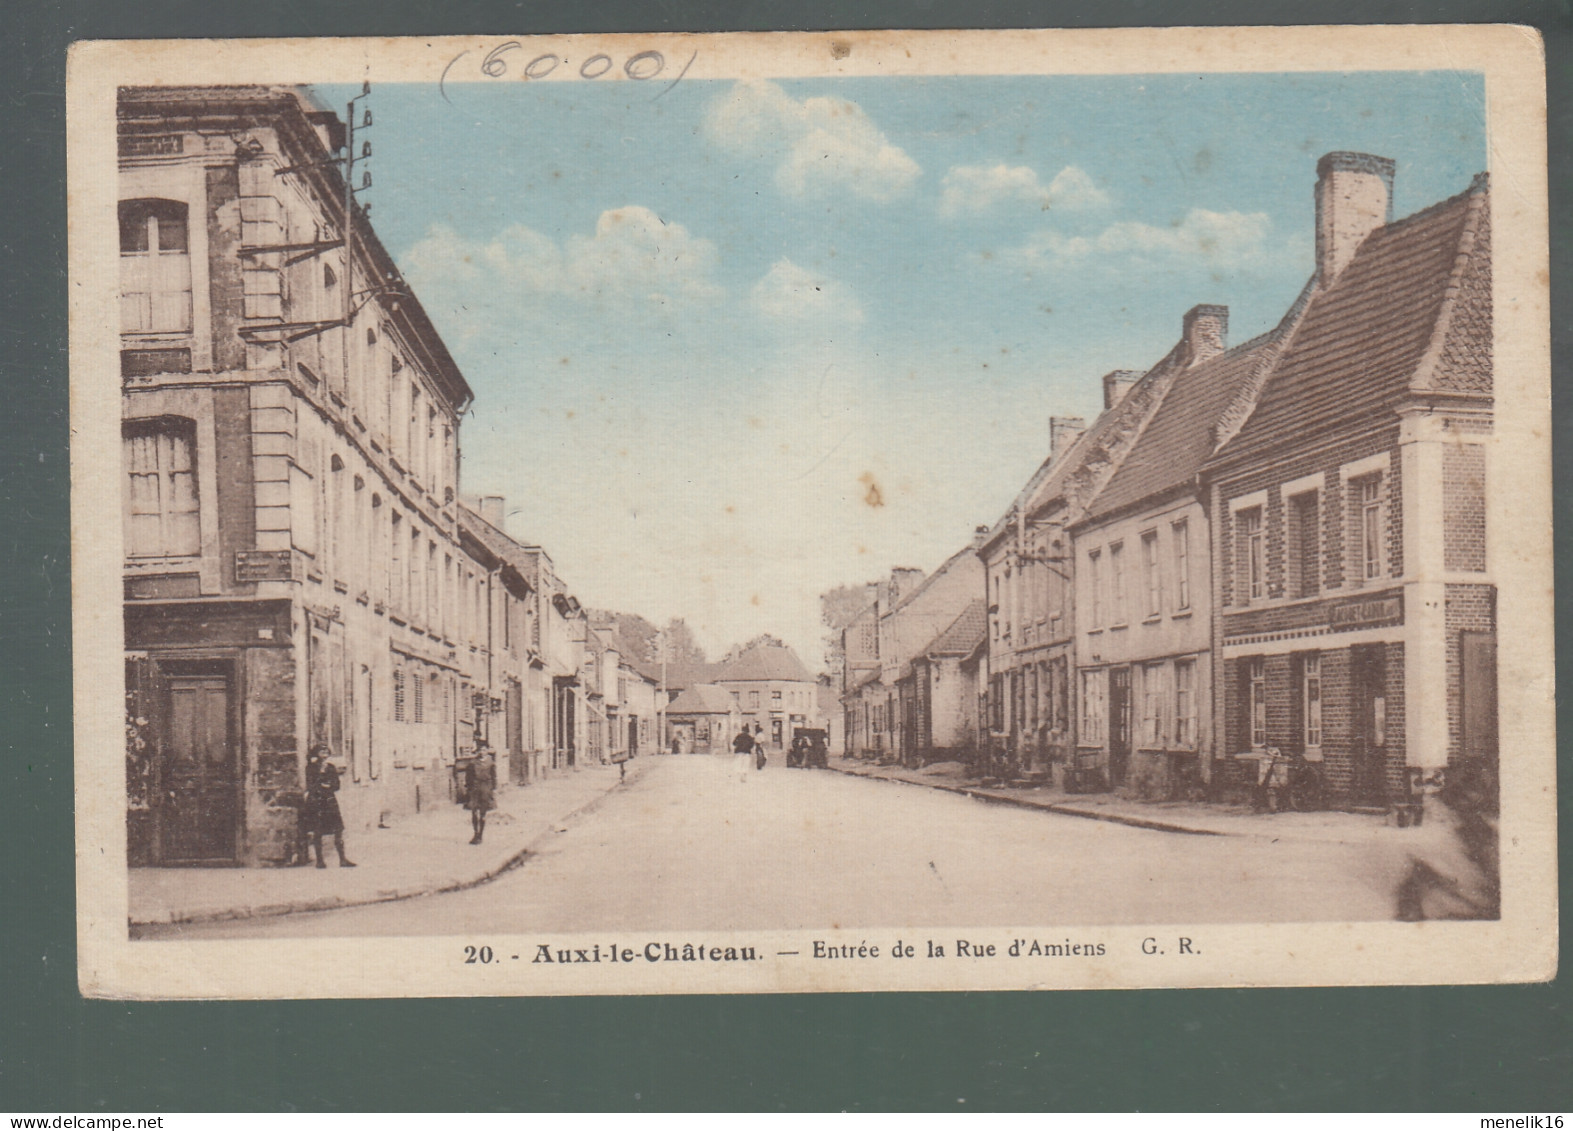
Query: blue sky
point(708, 330)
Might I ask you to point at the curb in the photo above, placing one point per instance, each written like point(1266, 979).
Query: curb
point(391, 895)
point(1043, 806)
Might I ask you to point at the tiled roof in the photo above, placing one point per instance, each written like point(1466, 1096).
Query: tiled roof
point(765, 662)
point(965, 633)
point(1099, 451)
point(1179, 437)
point(933, 578)
point(702, 699)
point(1412, 309)
point(865, 679)
point(686, 675)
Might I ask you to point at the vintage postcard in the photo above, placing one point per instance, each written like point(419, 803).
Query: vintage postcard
point(812, 512)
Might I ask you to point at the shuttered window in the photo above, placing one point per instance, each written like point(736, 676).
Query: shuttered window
point(155, 268)
point(162, 510)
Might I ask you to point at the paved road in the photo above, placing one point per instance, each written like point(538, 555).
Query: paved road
point(696, 844)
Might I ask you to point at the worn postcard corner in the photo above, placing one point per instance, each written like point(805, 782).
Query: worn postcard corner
point(811, 512)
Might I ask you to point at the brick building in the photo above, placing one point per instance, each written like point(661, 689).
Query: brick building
point(1354, 604)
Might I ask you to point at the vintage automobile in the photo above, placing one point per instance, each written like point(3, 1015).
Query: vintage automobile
point(810, 748)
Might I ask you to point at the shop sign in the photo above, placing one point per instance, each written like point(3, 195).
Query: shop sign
point(1377, 610)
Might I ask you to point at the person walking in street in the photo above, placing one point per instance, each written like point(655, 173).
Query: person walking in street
point(480, 789)
point(743, 748)
point(320, 814)
point(759, 747)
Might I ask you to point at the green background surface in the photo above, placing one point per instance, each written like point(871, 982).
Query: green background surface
point(1491, 1049)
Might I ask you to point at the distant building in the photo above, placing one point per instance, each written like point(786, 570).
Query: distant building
point(943, 692)
point(703, 719)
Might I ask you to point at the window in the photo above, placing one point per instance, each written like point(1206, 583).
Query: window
point(775, 699)
point(1117, 583)
point(1313, 699)
point(1251, 560)
point(1370, 526)
point(162, 510)
point(1181, 534)
point(396, 567)
point(398, 695)
point(412, 440)
point(1150, 568)
point(753, 700)
point(155, 268)
point(445, 625)
point(1152, 704)
point(1305, 546)
point(419, 698)
point(433, 609)
point(417, 590)
point(1093, 709)
point(1185, 702)
point(1256, 699)
point(1007, 605)
point(1095, 587)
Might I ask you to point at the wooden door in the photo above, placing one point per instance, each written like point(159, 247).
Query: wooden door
point(1119, 724)
point(200, 814)
point(1368, 693)
point(1478, 664)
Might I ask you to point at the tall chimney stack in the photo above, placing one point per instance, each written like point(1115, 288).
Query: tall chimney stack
point(1205, 332)
point(980, 535)
point(1063, 431)
point(494, 512)
point(1354, 197)
point(1117, 384)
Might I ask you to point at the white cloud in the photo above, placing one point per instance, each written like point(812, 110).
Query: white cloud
point(1219, 238)
point(974, 189)
point(1073, 189)
point(790, 293)
point(820, 145)
point(633, 254)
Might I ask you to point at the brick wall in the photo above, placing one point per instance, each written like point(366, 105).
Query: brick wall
point(1464, 508)
point(1285, 721)
point(1335, 532)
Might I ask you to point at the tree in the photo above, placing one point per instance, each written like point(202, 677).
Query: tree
point(838, 608)
point(681, 645)
point(637, 637)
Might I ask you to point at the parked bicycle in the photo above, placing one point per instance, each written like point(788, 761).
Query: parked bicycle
point(1286, 781)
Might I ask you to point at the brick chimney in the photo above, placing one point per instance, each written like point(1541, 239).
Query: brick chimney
point(980, 535)
point(1354, 197)
point(1063, 431)
point(1117, 384)
point(1205, 332)
point(494, 511)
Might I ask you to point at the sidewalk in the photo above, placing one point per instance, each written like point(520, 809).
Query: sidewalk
point(418, 855)
point(1194, 818)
